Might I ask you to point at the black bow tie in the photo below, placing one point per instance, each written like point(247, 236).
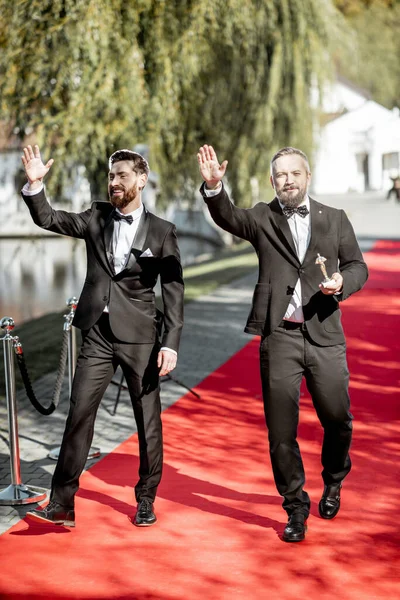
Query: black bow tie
point(118, 217)
point(288, 211)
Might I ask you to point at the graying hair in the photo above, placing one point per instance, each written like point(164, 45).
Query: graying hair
point(290, 150)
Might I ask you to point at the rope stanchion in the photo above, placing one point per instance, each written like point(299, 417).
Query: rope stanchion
point(45, 410)
point(16, 493)
point(70, 332)
point(72, 355)
point(27, 382)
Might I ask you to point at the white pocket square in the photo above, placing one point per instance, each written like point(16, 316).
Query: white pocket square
point(146, 253)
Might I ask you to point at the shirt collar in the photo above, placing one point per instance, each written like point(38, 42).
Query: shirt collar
point(135, 214)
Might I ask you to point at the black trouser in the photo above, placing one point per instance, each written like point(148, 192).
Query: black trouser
point(286, 356)
point(99, 357)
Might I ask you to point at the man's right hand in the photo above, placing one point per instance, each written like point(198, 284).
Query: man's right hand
point(210, 169)
point(34, 168)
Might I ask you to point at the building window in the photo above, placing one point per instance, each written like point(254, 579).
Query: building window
point(391, 161)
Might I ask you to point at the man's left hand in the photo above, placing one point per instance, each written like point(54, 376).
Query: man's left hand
point(334, 287)
point(166, 362)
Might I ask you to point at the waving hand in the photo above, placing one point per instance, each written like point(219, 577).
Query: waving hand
point(34, 168)
point(210, 169)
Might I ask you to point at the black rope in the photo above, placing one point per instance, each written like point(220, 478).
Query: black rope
point(59, 381)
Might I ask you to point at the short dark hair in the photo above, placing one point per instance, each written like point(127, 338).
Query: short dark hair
point(140, 164)
point(290, 150)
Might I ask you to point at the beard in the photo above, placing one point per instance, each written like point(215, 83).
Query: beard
point(129, 195)
point(292, 200)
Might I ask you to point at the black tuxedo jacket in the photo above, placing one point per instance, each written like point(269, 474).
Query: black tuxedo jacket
point(129, 294)
point(266, 227)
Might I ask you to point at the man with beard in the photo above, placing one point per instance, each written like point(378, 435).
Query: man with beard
point(128, 249)
point(298, 319)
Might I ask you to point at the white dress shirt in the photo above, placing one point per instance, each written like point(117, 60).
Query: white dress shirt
point(123, 236)
point(300, 228)
point(301, 233)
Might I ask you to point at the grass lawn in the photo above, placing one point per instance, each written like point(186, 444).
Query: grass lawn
point(41, 338)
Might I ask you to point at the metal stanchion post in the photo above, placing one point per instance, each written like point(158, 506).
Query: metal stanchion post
point(17, 492)
point(72, 356)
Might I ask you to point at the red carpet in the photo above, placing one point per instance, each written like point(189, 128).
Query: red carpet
point(220, 519)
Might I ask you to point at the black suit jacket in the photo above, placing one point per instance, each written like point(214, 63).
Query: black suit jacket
point(266, 227)
point(129, 294)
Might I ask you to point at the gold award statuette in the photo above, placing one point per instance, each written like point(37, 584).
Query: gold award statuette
point(320, 260)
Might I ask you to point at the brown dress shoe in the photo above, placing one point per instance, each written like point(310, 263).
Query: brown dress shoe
point(53, 513)
point(330, 502)
point(145, 515)
point(295, 530)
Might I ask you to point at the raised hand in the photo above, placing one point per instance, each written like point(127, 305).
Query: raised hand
point(34, 168)
point(211, 171)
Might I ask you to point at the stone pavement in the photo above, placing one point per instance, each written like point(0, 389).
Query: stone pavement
point(371, 214)
point(213, 332)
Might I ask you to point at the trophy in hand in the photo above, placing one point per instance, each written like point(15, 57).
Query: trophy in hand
point(327, 281)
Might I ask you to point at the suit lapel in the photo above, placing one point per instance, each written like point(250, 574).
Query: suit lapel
point(107, 236)
point(282, 228)
point(139, 240)
point(319, 225)
point(137, 244)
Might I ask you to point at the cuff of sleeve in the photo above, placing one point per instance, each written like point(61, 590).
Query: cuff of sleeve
point(211, 193)
point(28, 192)
point(169, 350)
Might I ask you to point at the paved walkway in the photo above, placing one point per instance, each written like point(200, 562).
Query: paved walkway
point(371, 214)
point(213, 332)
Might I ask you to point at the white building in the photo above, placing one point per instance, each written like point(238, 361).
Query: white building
point(358, 143)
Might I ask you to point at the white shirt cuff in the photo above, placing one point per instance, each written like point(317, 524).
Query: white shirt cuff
point(169, 350)
point(28, 192)
point(210, 193)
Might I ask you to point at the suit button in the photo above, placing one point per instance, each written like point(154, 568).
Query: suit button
point(105, 298)
point(301, 271)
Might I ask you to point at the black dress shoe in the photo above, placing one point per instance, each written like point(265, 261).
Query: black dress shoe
point(295, 530)
point(53, 513)
point(330, 502)
point(144, 516)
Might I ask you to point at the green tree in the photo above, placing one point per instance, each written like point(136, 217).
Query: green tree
point(88, 76)
point(237, 75)
point(351, 8)
point(371, 58)
point(72, 73)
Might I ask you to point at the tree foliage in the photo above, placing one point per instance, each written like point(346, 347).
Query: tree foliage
point(371, 58)
point(352, 8)
point(238, 76)
point(72, 73)
point(89, 76)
